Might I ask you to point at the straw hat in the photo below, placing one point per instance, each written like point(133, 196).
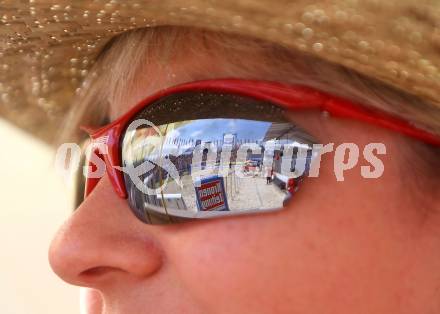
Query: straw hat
point(47, 47)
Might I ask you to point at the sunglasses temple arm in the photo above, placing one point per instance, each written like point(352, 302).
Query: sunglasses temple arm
point(343, 109)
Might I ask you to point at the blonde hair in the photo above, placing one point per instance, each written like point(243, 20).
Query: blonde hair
point(125, 56)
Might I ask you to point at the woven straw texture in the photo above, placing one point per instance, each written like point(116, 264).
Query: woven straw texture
point(47, 47)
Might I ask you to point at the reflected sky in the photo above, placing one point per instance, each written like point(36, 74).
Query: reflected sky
point(213, 129)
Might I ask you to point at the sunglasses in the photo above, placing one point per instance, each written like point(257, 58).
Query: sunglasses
point(218, 148)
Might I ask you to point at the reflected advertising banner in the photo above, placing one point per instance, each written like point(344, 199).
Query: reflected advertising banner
point(211, 194)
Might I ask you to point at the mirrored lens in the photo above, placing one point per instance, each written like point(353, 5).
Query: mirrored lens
point(204, 155)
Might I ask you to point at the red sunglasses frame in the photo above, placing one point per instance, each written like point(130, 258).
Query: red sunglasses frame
point(290, 97)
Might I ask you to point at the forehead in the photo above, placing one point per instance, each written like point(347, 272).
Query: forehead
point(155, 76)
point(146, 82)
point(167, 64)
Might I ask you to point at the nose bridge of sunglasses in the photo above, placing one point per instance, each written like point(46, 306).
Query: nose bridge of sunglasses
point(93, 161)
point(105, 148)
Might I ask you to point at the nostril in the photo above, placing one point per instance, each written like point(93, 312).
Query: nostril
point(97, 272)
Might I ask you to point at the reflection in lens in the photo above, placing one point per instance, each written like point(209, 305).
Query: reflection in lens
point(213, 155)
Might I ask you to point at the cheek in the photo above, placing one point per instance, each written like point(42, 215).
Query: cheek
point(231, 261)
point(347, 234)
point(296, 259)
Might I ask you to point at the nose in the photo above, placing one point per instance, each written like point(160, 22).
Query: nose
point(103, 241)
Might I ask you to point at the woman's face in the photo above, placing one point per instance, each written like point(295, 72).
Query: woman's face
point(357, 246)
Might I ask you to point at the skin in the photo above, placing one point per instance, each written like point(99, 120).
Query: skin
point(357, 246)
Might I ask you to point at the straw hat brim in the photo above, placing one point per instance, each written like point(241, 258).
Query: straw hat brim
point(47, 47)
